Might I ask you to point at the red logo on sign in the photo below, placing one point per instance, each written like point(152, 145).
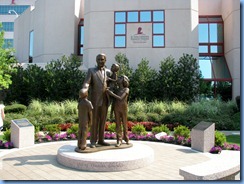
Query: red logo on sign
point(139, 30)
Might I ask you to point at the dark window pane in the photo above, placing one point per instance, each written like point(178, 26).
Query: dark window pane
point(215, 19)
point(220, 68)
point(203, 19)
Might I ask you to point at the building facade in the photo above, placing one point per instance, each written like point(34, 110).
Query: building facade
point(151, 29)
point(9, 11)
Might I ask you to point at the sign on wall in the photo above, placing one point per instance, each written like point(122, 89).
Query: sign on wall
point(139, 35)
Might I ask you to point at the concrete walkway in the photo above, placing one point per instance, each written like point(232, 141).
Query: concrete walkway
point(39, 163)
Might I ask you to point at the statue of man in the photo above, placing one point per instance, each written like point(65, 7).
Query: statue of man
point(96, 83)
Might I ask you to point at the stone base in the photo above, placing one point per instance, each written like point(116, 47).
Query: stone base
point(134, 157)
point(102, 148)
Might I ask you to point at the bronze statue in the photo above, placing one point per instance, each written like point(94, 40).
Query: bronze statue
point(85, 118)
point(121, 108)
point(96, 82)
point(112, 85)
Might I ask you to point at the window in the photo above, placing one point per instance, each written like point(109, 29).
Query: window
point(212, 62)
point(19, 9)
point(8, 43)
point(211, 36)
point(7, 26)
point(156, 18)
point(31, 45)
point(81, 38)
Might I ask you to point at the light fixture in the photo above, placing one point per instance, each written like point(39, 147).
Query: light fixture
point(9, 12)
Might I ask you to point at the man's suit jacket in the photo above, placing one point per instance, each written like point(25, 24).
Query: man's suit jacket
point(97, 84)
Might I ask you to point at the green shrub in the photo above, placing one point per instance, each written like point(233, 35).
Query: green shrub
point(182, 131)
point(8, 118)
point(157, 107)
point(56, 120)
point(161, 128)
point(220, 138)
point(36, 106)
point(236, 121)
point(138, 106)
point(53, 109)
point(154, 117)
point(138, 129)
point(112, 127)
point(131, 117)
point(70, 107)
point(15, 108)
point(52, 129)
point(7, 135)
point(141, 116)
point(73, 130)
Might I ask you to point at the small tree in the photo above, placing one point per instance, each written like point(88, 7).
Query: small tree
point(166, 79)
point(64, 78)
point(142, 81)
point(188, 74)
point(179, 80)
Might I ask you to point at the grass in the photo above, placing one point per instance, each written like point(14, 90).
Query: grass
point(233, 139)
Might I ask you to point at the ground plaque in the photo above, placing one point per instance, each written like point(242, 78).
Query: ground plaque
point(203, 136)
point(22, 133)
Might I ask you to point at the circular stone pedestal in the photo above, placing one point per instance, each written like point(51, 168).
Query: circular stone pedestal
point(135, 157)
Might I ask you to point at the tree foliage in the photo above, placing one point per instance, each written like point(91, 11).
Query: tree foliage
point(7, 63)
point(142, 81)
point(60, 80)
point(124, 68)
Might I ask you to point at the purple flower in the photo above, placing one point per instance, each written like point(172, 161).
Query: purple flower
point(72, 136)
point(180, 139)
point(56, 137)
point(1, 143)
point(131, 136)
point(48, 137)
point(7, 144)
point(11, 144)
point(88, 135)
point(215, 149)
point(168, 139)
point(236, 147)
point(63, 136)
